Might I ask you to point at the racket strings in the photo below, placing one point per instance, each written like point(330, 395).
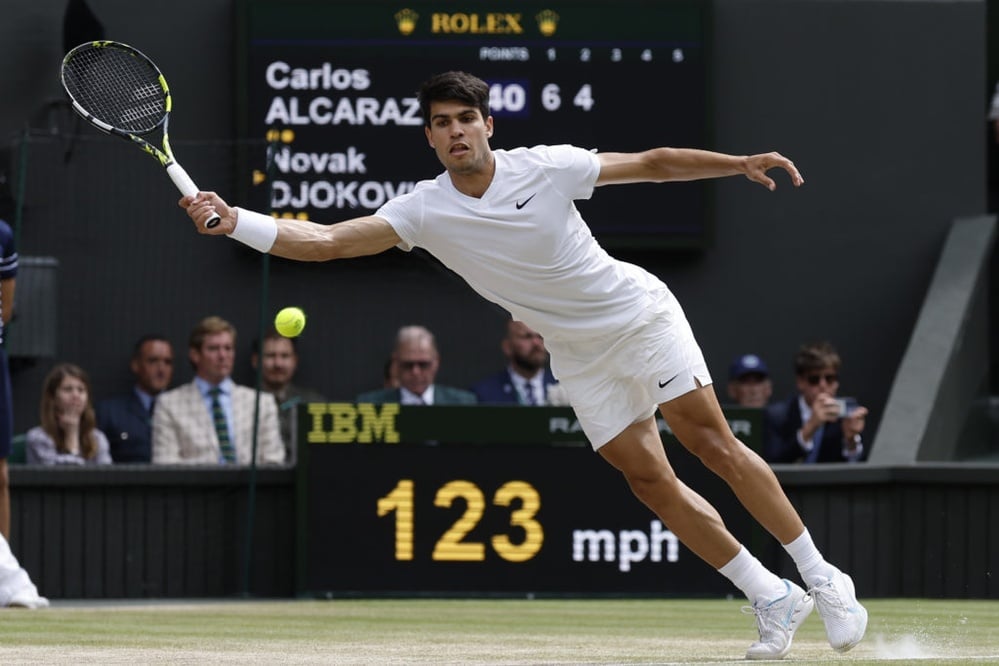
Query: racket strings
point(117, 87)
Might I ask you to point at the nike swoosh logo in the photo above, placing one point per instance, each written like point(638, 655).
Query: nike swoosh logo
point(663, 384)
point(521, 204)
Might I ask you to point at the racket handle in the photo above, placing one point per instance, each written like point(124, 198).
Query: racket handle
point(189, 189)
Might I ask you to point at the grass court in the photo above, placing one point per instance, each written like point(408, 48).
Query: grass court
point(475, 631)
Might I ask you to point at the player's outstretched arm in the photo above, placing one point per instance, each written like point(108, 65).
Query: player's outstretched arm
point(660, 165)
point(293, 239)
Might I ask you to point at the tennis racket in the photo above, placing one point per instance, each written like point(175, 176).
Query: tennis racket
point(118, 90)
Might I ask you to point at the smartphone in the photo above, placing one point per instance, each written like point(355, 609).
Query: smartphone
point(846, 405)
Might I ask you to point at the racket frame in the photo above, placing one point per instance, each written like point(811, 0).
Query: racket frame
point(165, 157)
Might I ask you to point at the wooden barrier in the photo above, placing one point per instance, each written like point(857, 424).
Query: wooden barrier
point(143, 531)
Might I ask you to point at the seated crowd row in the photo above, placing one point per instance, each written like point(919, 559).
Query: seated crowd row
point(210, 420)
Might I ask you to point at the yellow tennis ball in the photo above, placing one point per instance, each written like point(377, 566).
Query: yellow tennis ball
point(290, 322)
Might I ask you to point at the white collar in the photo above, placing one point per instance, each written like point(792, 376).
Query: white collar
point(407, 397)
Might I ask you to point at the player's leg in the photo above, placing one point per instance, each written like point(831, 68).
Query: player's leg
point(780, 606)
point(698, 422)
point(638, 453)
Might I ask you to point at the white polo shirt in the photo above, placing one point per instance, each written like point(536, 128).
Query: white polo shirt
point(524, 246)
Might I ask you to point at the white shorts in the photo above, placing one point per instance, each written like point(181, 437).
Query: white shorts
point(620, 379)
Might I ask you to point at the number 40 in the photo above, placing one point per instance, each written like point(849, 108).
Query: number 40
point(451, 545)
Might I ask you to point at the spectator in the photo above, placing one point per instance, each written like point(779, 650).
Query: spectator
point(8, 280)
point(749, 382)
point(813, 425)
point(210, 420)
point(278, 362)
point(68, 433)
point(416, 357)
point(526, 378)
point(127, 419)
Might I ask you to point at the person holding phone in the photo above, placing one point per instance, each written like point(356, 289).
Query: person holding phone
point(815, 425)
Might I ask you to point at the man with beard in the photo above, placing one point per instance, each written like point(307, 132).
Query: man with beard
point(526, 380)
point(277, 360)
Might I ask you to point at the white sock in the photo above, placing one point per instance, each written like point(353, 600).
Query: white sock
point(749, 575)
point(811, 565)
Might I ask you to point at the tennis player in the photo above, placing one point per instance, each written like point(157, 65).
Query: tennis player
point(620, 344)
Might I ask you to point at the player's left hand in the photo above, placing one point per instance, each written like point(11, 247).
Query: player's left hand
point(758, 165)
point(200, 208)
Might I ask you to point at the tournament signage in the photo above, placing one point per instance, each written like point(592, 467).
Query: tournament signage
point(332, 88)
point(488, 500)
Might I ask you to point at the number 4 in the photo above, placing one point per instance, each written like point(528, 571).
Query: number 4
point(584, 98)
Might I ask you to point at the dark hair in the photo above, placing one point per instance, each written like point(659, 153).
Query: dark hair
point(815, 356)
point(50, 418)
point(454, 86)
point(148, 337)
point(272, 334)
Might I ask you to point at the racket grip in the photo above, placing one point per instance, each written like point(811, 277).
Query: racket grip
point(189, 189)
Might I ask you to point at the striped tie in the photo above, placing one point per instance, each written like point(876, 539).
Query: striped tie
point(222, 427)
point(530, 394)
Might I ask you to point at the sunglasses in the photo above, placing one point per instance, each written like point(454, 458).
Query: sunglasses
point(411, 365)
point(830, 378)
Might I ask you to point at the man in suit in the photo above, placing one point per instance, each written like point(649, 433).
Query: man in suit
point(210, 420)
point(127, 419)
point(813, 426)
point(277, 361)
point(417, 360)
point(526, 380)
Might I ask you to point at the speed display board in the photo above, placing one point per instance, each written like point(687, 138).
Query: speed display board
point(387, 510)
point(332, 87)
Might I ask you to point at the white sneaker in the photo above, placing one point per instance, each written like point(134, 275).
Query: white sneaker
point(777, 621)
point(844, 617)
point(28, 600)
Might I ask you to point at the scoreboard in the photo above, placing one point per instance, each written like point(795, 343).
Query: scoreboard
point(330, 88)
point(493, 500)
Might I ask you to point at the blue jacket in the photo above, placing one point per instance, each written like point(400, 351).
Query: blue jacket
point(128, 427)
point(783, 421)
point(498, 389)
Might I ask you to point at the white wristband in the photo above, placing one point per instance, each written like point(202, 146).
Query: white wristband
point(254, 229)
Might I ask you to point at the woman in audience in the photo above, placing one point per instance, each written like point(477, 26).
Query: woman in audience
point(68, 434)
